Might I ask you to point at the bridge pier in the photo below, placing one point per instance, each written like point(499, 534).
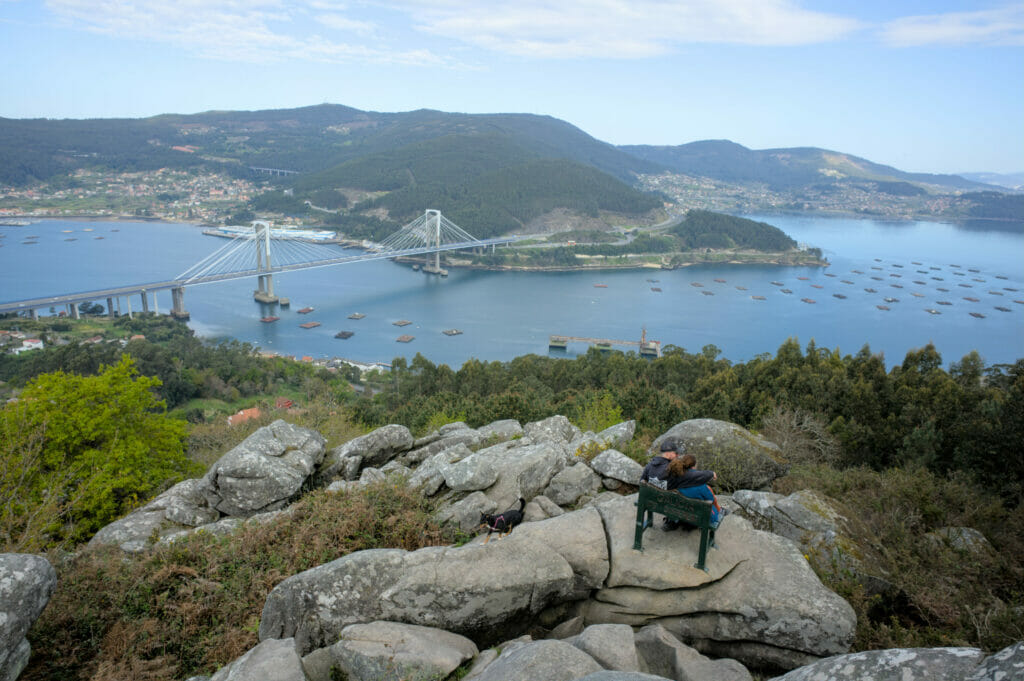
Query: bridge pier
point(34, 313)
point(265, 292)
point(145, 301)
point(110, 307)
point(73, 309)
point(178, 310)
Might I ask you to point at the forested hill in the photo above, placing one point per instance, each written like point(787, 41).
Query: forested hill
point(781, 168)
point(490, 181)
point(704, 229)
point(307, 139)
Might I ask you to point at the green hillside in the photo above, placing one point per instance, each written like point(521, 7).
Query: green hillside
point(781, 168)
point(704, 229)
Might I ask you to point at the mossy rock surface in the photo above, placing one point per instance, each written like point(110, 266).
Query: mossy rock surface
point(742, 459)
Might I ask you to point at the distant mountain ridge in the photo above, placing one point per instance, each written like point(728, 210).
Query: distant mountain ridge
point(783, 168)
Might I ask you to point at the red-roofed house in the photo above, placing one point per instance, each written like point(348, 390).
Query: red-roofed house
point(243, 416)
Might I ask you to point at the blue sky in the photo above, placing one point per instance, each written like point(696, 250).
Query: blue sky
point(934, 86)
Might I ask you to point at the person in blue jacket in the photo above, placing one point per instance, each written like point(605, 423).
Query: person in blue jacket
point(684, 478)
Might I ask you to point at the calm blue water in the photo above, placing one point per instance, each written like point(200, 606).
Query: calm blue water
point(503, 315)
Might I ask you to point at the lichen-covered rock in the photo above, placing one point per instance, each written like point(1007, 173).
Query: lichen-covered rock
point(554, 428)
point(26, 584)
point(742, 459)
point(374, 449)
point(666, 655)
point(523, 471)
point(470, 474)
point(265, 471)
point(964, 539)
point(549, 660)
point(894, 664)
point(1007, 664)
point(394, 651)
point(611, 645)
point(579, 538)
point(500, 431)
point(613, 464)
point(272, 659)
point(571, 483)
point(465, 514)
point(429, 475)
point(470, 590)
point(618, 435)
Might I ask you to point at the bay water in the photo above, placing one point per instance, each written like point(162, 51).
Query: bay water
point(506, 314)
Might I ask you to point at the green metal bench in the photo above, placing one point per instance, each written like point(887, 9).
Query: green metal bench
point(674, 505)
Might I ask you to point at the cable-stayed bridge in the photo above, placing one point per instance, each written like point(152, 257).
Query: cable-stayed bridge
point(264, 252)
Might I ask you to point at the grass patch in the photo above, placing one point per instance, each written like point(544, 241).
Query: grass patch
point(194, 606)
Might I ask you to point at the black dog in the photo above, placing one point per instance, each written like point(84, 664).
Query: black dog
point(503, 523)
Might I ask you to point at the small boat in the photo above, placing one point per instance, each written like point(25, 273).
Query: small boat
point(720, 281)
point(310, 325)
point(708, 293)
point(267, 320)
point(943, 302)
point(452, 332)
point(697, 284)
point(809, 301)
point(757, 297)
point(1002, 309)
point(656, 289)
point(838, 295)
point(882, 307)
point(973, 300)
point(786, 290)
point(404, 339)
point(932, 311)
point(892, 300)
point(776, 283)
point(344, 334)
point(871, 290)
point(356, 315)
point(977, 314)
point(817, 286)
point(401, 322)
point(305, 310)
point(600, 285)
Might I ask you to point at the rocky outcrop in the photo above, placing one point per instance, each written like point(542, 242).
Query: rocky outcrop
point(742, 459)
point(390, 651)
point(615, 465)
point(264, 472)
point(26, 584)
point(272, 659)
point(666, 655)
point(759, 601)
point(549, 660)
point(372, 450)
point(916, 664)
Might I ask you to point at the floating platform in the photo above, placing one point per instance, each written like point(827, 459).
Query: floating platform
point(882, 307)
point(786, 290)
point(1000, 276)
point(892, 300)
point(973, 300)
point(932, 311)
point(914, 262)
point(655, 281)
point(977, 314)
point(916, 294)
point(356, 315)
point(1002, 309)
point(344, 334)
point(720, 281)
point(809, 301)
point(452, 332)
point(267, 320)
point(600, 285)
point(838, 295)
point(944, 290)
point(404, 339)
point(846, 281)
point(871, 290)
point(401, 322)
point(829, 275)
point(741, 288)
point(708, 293)
point(995, 293)
point(900, 266)
point(700, 285)
point(943, 302)
point(305, 310)
point(817, 286)
point(757, 297)
point(777, 283)
point(656, 289)
point(803, 278)
point(310, 325)
point(896, 285)
point(558, 342)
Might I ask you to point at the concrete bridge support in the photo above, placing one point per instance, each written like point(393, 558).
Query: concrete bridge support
point(73, 309)
point(34, 313)
point(178, 310)
point(145, 301)
point(110, 307)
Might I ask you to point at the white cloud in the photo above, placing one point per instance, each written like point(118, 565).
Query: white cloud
point(258, 31)
point(1003, 26)
point(624, 28)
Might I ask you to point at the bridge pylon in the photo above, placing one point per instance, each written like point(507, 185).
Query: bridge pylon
point(432, 228)
point(265, 291)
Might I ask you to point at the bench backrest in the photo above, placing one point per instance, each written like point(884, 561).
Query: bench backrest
point(673, 504)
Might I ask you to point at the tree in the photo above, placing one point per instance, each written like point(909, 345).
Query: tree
point(105, 440)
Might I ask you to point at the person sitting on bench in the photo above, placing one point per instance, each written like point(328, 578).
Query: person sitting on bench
point(692, 483)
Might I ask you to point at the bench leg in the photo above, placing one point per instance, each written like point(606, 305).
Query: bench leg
point(702, 555)
point(641, 525)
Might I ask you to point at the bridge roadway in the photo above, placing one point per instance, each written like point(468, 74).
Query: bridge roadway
point(135, 289)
